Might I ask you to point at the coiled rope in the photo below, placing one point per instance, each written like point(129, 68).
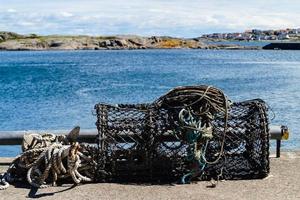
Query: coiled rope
point(49, 158)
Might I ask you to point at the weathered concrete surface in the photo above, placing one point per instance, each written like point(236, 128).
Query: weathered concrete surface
point(282, 183)
point(5, 161)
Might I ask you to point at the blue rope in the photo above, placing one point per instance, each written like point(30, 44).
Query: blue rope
point(192, 135)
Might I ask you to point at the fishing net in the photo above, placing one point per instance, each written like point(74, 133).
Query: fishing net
point(191, 133)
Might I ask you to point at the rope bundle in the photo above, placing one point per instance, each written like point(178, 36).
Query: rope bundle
point(50, 158)
point(199, 106)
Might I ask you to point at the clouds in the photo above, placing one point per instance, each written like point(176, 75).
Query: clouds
point(66, 14)
point(146, 17)
point(11, 10)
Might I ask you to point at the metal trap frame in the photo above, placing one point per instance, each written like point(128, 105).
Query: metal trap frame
point(190, 133)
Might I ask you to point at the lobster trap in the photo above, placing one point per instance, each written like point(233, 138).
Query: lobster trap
point(190, 133)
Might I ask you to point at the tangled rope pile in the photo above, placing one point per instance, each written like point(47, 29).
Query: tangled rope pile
point(48, 158)
point(199, 106)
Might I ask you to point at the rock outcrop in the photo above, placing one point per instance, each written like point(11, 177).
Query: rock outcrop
point(9, 36)
point(13, 41)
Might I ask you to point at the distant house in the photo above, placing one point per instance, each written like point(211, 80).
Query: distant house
point(239, 37)
point(272, 37)
point(256, 34)
point(229, 36)
point(266, 32)
point(217, 35)
point(256, 31)
point(294, 31)
point(283, 36)
point(257, 37)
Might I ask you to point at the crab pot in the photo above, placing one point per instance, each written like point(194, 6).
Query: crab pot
point(144, 142)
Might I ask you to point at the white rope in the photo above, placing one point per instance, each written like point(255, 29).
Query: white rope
point(39, 161)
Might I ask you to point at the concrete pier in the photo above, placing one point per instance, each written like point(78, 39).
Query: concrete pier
point(282, 183)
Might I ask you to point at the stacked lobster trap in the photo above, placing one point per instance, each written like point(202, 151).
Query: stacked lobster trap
point(191, 133)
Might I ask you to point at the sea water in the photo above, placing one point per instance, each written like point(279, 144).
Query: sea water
point(54, 90)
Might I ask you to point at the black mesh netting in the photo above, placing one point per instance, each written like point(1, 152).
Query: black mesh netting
point(191, 133)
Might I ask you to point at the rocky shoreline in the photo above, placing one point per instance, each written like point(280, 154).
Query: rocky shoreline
point(10, 41)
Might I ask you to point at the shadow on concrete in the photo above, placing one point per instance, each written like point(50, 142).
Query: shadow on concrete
point(33, 192)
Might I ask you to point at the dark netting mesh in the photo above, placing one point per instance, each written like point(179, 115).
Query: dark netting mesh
point(191, 133)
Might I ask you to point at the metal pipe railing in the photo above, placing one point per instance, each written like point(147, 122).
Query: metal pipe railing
point(276, 132)
point(16, 137)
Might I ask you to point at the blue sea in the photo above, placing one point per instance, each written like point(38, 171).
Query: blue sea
point(54, 90)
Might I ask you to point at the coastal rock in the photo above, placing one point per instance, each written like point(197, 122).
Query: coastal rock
point(13, 41)
point(55, 44)
point(105, 43)
point(136, 42)
point(121, 43)
point(23, 44)
point(10, 35)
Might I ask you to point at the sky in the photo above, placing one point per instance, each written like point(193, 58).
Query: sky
point(179, 18)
